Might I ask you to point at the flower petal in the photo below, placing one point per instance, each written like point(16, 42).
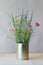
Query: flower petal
point(37, 24)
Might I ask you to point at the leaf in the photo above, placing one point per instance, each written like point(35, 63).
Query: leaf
point(31, 18)
point(13, 22)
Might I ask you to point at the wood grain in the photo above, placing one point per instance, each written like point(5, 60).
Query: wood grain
point(32, 56)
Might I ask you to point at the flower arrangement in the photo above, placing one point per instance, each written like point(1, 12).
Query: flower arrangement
point(22, 27)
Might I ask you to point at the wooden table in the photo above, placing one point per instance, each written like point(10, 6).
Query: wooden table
point(36, 56)
point(32, 56)
point(10, 59)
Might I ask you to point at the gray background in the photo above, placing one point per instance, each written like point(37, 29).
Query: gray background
point(11, 6)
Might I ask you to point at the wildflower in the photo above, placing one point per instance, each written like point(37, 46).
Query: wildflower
point(30, 29)
point(37, 24)
point(13, 29)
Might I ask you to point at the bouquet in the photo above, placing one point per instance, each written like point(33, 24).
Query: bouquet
point(22, 27)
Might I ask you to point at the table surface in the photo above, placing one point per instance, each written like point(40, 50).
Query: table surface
point(32, 56)
point(10, 59)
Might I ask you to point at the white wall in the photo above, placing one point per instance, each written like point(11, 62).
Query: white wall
point(11, 6)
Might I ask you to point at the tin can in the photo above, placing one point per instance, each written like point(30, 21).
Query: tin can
point(22, 51)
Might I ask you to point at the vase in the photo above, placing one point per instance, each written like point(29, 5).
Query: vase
point(22, 51)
